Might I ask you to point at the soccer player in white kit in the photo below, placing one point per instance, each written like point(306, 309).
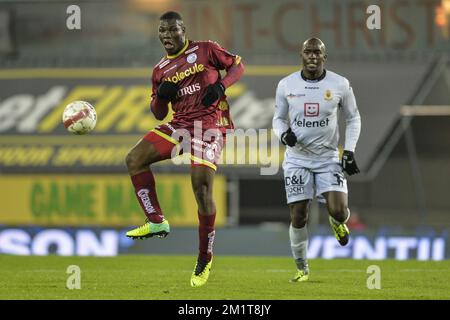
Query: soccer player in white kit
point(306, 121)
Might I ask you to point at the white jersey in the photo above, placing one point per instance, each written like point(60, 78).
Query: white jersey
point(310, 109)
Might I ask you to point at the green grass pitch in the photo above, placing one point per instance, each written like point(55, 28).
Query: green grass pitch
point(241, 278)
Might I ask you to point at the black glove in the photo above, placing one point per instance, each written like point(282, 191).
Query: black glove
point(349, 163)
point(289, 138)
point(213, 93)
point(167, 90)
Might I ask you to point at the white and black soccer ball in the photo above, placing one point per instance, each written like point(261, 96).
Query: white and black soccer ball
point(79, 117)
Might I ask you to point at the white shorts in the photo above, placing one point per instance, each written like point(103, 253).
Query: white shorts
point(306, 179)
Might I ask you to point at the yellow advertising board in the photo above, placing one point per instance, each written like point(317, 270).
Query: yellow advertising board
point(98, 200)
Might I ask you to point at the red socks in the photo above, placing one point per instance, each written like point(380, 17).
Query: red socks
point(144, 186)
point(206, 236)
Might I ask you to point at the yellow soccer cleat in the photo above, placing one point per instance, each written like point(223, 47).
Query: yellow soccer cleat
point(201, 273)
point(300, 276)
point(341, 231)
point(150, 229)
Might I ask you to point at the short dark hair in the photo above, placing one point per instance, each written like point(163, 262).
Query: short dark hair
point(170, 15)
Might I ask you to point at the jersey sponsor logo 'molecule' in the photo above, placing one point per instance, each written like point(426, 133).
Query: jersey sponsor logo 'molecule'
point(178, 76)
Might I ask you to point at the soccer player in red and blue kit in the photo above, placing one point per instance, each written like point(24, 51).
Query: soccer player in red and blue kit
point(188, 77)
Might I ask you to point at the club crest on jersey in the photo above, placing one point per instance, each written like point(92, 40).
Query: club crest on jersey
point(191, 58)
point(328, 96)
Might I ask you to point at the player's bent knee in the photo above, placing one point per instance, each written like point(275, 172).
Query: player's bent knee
point(133, 163)
point(339, 213)
point(299, 218)
point(299, 223)
point(129, 160)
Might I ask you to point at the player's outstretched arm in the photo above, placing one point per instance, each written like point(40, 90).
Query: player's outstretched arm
point(213, 93)
point(349, 163)
point(352, 131)
point(280, 121)
point(162, 93)
point(234, 73)
point(216, 90)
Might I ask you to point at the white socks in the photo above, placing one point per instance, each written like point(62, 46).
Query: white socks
point(299, 245)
